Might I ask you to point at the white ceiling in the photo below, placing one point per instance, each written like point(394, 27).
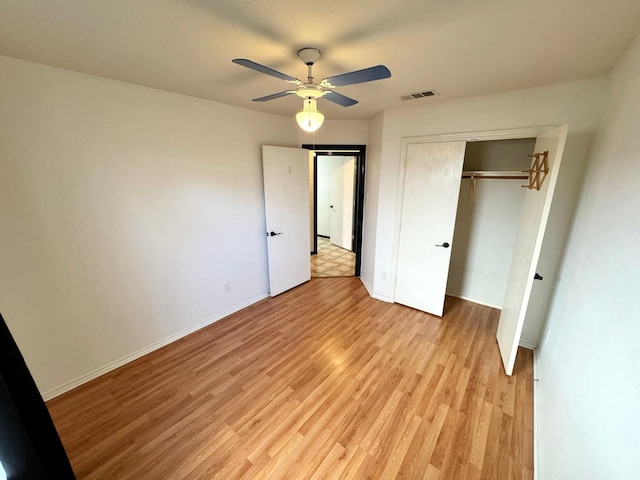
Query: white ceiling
point(460, 48)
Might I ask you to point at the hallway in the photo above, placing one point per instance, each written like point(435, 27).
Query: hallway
point(332, 261)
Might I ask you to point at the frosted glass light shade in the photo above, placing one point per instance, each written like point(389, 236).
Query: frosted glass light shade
point(309, 119)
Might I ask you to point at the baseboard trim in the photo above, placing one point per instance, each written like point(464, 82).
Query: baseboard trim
point(527, 345)
point(475, 300)
point(373, 295)
point(76, 382)
point(367, 286)
point(381, 298)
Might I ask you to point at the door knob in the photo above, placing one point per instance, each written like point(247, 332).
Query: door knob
point(273, 234)
point(445, 245)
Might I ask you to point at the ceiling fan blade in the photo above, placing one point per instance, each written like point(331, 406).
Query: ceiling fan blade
point(262, 69)
point(274, 96)
point(359, 76)
point(340, 99)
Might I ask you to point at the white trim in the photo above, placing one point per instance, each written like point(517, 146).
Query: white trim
point(76, 382)
point(502, 134)
point(367, 286)
point(381, 298)
point(475, 300)
point(536, 403)
point(373, 295)
point(527, 345)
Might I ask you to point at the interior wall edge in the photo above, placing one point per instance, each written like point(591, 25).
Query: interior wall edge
point(536, 428)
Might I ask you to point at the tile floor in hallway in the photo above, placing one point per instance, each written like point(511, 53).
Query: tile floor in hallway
point(332, 261)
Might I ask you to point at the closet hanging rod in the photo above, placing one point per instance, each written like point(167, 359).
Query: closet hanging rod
point(496, 175)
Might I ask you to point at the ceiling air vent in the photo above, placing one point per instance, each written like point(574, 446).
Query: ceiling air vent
point(413, 96)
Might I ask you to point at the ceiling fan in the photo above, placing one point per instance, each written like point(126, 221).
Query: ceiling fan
point(310, 119)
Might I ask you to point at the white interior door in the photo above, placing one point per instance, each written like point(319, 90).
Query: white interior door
point(323, 209)
point(533, 221)
point(286, 197)
point(430, 200)
point(342, 183)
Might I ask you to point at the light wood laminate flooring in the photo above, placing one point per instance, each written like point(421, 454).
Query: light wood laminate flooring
point(322, 381)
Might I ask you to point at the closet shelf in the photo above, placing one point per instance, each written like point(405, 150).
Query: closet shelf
point(496, 174)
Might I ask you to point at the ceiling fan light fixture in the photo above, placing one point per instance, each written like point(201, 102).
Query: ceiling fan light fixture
point(309, 119)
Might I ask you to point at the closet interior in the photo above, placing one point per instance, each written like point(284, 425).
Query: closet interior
point(488, 217)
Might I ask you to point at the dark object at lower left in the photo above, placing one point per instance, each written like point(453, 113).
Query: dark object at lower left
point(30, 447)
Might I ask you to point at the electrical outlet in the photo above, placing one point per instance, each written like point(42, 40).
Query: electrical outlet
point(227, 287)
point(383, 275)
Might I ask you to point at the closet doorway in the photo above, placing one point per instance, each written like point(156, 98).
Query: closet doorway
point(337, 184)
point(487, 220)
point(440, 159)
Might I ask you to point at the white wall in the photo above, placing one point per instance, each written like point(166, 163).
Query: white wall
point(124, 211)
point(483, 240)
point(589, 369)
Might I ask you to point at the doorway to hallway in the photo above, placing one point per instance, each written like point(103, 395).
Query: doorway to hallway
point(337, 178)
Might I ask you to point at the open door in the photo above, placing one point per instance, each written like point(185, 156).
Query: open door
point(533, 221)
point(286, 197)
point(429, 206)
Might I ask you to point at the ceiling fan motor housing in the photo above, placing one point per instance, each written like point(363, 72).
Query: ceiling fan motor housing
point(309, 91)
point(309, 55)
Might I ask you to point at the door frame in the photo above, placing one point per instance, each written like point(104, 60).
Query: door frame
point(485, 135)
point(359, 152)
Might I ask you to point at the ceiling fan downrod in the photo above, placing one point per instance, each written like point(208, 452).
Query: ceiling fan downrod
point(309, 90)
point(309, 56)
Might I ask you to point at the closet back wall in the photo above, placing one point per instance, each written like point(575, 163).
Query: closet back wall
point(487, 222)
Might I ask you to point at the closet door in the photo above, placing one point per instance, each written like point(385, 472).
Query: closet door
point(430, 200)
point(533, 221)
